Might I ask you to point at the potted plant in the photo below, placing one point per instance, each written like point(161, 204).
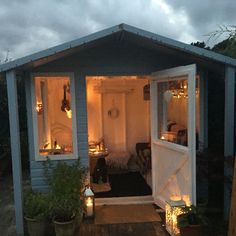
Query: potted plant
point(66, 183)
point(36, 213)
point(191, 221)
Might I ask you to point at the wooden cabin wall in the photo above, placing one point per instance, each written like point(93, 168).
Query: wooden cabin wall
point(110, 58)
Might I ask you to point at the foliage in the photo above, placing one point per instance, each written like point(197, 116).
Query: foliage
point(66, 183)
point(229, 30)
point(192, 216)
point(36, 205)
point(226, 47)
point(4, 119)
point(201, 45)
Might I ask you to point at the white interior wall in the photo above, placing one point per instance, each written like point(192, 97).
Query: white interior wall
point(138, 115)
point(94, 110)
point(133, 123)
point(114, 128)
point(178, 110)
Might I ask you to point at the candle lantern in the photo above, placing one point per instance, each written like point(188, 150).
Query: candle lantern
point(174, 207)
point(89, 203)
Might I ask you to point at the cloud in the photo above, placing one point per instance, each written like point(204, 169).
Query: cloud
point(205, 16)
point(28, 26)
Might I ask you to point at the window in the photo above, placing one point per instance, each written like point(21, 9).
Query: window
point(173, 111)
point(54, 116)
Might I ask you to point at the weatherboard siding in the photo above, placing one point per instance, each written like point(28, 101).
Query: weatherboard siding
point(115, 58)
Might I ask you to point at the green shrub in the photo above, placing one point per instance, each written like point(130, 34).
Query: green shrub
point(36, 206)
point(192, 216)
point(66, 183)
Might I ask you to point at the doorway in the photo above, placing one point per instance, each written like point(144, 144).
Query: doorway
point(119, 135)
point(173, 122)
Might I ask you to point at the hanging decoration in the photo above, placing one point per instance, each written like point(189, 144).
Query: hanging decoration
point(168, 95)
point(39, 107)
point(65, 104)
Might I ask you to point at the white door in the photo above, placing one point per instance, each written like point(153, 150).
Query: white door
point(173, 134)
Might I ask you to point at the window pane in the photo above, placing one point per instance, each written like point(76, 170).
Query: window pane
point(173, 111)
point(54, 115)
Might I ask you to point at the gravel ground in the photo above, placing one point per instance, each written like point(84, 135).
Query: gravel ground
point(7, 208)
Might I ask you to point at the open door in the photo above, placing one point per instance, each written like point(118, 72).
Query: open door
point(173, 134)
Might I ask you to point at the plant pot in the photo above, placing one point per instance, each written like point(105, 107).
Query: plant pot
point(36, 227)
point(193, 230)
point(65, 228)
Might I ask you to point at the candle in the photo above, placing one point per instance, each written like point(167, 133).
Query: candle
point(175, 198)
point(89, 207)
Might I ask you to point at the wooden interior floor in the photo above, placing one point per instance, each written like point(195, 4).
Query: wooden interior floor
point(129, 229)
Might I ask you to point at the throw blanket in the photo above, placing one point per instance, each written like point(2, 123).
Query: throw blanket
point(118, 160)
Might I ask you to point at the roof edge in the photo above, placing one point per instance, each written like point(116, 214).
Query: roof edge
point(180, 45)
point(60, 48)
point(109, 31)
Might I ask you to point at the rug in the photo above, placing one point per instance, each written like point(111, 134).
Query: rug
point(120, 214)
point(99, 188)
point(126, 184)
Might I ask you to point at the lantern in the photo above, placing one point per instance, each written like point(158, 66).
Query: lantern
point(174, 207)
point(89, 203)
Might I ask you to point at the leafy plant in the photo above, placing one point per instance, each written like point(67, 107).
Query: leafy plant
point(66, 183)
point(192, 216)
point(36, 206)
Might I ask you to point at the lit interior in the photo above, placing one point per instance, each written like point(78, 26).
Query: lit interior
point(117, 113)
point(119, 116)
point(173, 111)
point(54, 113)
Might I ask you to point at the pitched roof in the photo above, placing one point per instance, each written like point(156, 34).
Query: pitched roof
point(158, 39)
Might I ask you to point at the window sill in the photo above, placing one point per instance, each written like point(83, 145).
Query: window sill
point(57, 157)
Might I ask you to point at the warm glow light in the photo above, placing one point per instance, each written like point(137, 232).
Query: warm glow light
point(162, 137)
point(175, 198)
point(89, 202)
point(58, 146)
point(173, 209)
point(89, 205)
point(186, 199)
point(69, 113)
point(39, 107)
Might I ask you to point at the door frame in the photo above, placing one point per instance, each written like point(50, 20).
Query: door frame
point(161, 76)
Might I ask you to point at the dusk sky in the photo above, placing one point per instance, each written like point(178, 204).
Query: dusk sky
point(28, 26)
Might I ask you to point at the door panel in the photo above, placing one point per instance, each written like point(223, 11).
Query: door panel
point(173, 134)
point(114, 123)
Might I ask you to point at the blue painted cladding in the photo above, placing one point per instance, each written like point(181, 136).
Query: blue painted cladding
point(81, 115)
point(112, 57)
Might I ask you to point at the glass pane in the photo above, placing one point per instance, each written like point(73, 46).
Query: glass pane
point(173, 111)
point(54, 115)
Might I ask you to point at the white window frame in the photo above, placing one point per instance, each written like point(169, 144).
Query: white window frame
point(73, 155)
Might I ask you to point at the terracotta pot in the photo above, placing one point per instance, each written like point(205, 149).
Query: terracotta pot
point(36, 227)
point(65, 228)
point(191, 230)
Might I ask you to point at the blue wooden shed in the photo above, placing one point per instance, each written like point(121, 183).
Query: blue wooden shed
point(111, 90)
